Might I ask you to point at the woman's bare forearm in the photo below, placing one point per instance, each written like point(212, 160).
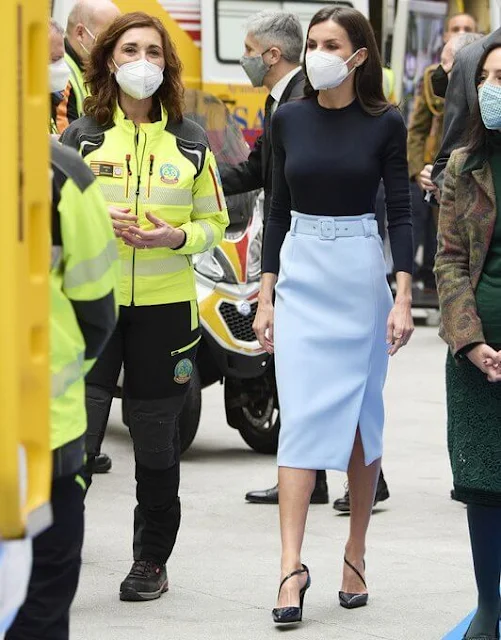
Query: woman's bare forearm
point(268, 282)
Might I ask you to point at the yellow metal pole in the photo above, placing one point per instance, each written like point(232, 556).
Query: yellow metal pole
point(24, 269)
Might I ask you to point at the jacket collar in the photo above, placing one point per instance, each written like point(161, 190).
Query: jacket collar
point(73, 54)
point(478, 166)
point(151, 129)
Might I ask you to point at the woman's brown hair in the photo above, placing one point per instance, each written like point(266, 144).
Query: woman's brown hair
point(102, 85)
point(369, 75)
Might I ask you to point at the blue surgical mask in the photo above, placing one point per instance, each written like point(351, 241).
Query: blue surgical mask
point(489, 99)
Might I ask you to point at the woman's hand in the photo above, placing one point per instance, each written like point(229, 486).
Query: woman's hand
point(263, 325)
point(121, 220)
point(424, 181)
point(164, 235)
point(400, 326)
point(487, 360)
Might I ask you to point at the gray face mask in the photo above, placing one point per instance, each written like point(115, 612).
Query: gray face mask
point(255, 68)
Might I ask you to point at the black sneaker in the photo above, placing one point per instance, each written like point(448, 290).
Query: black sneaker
point(146, 581)
point(382, 494)
point(102, 464)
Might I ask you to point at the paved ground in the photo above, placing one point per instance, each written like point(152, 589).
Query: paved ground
point(224, 572)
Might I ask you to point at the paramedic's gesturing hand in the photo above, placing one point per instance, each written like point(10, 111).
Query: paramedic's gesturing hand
point(264, 321)
point(121, 220)
point(163, 235)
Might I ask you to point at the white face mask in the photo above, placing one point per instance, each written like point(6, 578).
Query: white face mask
point(139, 79)
point(326, 70)
point(59, 74)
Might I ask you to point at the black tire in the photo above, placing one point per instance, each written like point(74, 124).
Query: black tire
point(189, 418)
point(252, 408)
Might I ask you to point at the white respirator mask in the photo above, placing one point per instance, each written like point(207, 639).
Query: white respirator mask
point(327, 70)
point(139, 79)
point(59, 74)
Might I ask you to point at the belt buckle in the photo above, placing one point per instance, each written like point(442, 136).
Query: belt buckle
point(327, 229)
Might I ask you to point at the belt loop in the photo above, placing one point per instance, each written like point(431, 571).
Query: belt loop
point(293, 225)
point(367, 228)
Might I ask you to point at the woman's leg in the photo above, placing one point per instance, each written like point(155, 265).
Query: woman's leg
point(294, 491)
point(485, 538)
point(362, 482)
point(160, 349)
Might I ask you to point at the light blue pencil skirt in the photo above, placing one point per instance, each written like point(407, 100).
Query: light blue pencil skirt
point(331, 309)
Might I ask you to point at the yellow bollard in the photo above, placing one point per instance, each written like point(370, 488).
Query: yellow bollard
point(24, 270)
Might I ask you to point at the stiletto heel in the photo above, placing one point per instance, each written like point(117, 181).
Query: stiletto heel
point(288, 615)
point(353, 600)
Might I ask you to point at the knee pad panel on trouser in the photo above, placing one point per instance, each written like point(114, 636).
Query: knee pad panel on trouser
point(153, 429)
point(97, 404)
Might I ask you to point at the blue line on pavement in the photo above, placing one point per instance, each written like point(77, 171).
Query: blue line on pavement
point(458, 632)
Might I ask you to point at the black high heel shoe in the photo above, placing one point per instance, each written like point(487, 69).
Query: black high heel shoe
point(353, 600)
point(483, 637)
point(287, 615)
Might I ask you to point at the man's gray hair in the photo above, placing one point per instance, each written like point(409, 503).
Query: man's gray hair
point(462, 40)
point(278, 29)
point(54, 24)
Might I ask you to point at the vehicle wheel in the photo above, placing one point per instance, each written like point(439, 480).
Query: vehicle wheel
point(252, 408)
point(189, 418)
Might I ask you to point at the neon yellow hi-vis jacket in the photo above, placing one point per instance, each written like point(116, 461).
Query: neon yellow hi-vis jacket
point(165, 168)
point(84, 280)
point(389, 85)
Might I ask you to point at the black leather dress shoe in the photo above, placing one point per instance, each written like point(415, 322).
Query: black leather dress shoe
point(102, 464)
point(320, 494)
point(382, 494)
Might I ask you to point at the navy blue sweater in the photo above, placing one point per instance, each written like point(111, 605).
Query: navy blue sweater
point(330, 162)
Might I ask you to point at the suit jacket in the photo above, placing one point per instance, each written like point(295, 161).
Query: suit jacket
point(460, 99)
point(465, 228)
point(256, 172)
point(425, 126)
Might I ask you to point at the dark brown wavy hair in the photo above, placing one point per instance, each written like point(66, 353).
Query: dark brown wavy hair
point(369, 75)
point(476, 134)
point(102, 85)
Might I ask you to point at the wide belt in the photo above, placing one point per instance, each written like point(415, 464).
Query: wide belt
point(330, 228)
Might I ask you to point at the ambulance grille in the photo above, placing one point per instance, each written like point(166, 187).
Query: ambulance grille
point(240, 326)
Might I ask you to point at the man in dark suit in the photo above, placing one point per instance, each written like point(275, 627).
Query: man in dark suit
point(460, 99)
point(273, 47)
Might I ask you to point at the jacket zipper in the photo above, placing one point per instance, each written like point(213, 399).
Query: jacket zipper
point(139, 166)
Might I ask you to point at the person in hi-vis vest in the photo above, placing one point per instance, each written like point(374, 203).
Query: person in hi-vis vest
point(84, 279)
point(85, 22)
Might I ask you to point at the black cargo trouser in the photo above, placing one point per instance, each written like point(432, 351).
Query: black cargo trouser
point(56, 567)
point(157, 347)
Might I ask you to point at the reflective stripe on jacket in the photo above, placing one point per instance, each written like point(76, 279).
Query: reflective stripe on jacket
point(167, 169)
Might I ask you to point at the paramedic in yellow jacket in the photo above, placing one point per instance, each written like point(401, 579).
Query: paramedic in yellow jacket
point(84, 279)
point(162, 186)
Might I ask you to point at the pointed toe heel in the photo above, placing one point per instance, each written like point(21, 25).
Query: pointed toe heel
point(354, 600)
point(290, 615)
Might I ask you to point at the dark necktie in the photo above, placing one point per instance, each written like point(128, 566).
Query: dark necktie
point(270, 101)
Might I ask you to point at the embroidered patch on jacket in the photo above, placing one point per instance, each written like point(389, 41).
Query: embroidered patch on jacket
point(107, 169)
point(183, 371)
point(169, 173)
